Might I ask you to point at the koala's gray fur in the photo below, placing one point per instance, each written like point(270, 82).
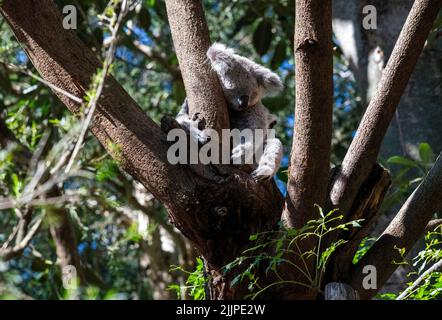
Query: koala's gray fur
point(244, 84)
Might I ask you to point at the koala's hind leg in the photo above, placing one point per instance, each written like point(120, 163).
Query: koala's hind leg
point(191, 124)
point(270, 160)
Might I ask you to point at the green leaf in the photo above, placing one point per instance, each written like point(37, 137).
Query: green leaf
point(132, 233)
point(108, 169)
point(253, 237)
point(355, 223)
point(426, 153)
point(16, 185)
point(176, 288)
point(321, 213)
point(150, 3)
point(200, 264)
point(402, 161)
point(387, 296)
point(235, 280)
point(262, 37)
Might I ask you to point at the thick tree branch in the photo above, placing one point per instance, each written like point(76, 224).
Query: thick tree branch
point(366, 207)
point(191, 40)
point(402, 232)
point(364, 149)
point(433, 225)
point(310, 157)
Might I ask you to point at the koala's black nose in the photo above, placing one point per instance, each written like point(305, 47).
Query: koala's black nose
point(243, 101)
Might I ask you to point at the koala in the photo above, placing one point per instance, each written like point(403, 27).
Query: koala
point(244, 84)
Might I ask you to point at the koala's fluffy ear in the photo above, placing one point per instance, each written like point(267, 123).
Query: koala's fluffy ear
point(218, 51)
point(269, 80)
point(223, 57)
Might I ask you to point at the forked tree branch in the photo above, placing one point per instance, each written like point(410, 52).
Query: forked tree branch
point(191, 40)
point(140, 146)
point(310, 156)
point(364, 149)
point(405, 229)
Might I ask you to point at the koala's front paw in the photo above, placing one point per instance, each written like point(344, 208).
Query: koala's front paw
point(199, 135)
point(262, 173)
point(242, 154)
point(237, 154)
point(203, 137)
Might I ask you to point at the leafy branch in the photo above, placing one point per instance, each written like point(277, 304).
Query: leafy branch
point(282, 247)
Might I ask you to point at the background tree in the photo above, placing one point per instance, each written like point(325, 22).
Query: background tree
point(418, 105)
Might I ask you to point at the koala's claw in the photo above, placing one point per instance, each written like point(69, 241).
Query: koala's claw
point(199, 135)
point(199, 120)
point(196, 117)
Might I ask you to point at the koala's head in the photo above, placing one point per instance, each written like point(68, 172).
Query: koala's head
point(244, 82)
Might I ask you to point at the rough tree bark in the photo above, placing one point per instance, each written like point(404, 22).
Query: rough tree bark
point(310, 158)
point(366, 206)
point(418, 112)
point(310, 155)
point(362, 154)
